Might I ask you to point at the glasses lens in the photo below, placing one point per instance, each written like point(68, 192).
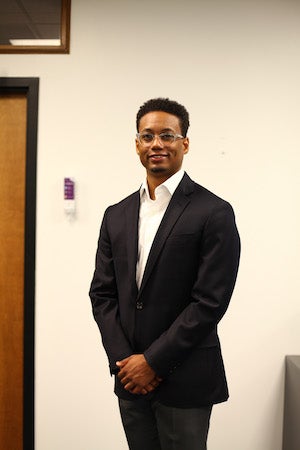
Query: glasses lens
point(146, 138)
point(167, 137)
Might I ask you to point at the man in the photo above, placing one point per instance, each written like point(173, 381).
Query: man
point(166, 267)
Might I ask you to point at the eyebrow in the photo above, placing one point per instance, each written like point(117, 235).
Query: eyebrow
point(149, 130)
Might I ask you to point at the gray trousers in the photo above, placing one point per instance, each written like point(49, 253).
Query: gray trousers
point(149, 425)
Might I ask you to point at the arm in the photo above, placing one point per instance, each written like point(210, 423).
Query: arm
point(210, 295)
point(135, 374)
point(104, 298)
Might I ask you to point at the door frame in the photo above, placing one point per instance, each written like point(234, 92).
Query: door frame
point(29, 86)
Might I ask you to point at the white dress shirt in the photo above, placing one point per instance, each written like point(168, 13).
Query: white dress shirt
point(151, 214)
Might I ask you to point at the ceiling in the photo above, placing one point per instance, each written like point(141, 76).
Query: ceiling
point(29, 19)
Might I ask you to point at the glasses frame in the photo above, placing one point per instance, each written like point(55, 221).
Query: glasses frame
point(176, 136)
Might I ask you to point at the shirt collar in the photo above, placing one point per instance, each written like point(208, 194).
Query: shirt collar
point(170, 184)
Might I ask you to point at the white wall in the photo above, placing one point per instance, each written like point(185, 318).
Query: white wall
point(235, 65)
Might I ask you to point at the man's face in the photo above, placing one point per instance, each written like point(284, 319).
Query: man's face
point(161, 159)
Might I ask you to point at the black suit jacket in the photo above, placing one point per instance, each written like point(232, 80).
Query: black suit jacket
point(186, 288)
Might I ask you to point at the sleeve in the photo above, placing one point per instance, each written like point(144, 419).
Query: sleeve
point(104, 297)
point(210, 295)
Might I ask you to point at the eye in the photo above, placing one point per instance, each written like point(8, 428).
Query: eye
point(147, 137)
point(167, 137)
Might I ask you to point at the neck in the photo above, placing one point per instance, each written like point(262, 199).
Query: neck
point(153, 182)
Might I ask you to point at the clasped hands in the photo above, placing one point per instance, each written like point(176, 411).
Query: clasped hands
point(136, 375)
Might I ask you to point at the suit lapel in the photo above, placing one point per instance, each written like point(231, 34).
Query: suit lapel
point(176, 207)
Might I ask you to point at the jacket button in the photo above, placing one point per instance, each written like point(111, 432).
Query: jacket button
point(139, 305)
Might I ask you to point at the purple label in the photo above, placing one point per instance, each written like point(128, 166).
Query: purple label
point(69, 189)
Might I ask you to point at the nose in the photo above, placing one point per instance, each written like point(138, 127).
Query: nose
point(156, 143)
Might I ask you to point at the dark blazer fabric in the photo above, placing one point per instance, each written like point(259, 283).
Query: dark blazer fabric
point(186, 288)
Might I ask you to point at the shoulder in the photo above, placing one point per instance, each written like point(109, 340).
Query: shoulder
point(127, 200)
point(213, 212)
point(124, 204)
point(203, 197)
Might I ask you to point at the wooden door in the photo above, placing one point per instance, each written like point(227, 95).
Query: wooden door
point(13, 114)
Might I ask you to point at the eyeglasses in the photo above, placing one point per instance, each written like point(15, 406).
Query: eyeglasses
point(148, 138)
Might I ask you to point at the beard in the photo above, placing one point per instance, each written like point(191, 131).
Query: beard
point(157, 169)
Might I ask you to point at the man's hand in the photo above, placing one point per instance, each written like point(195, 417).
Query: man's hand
point(136, 375)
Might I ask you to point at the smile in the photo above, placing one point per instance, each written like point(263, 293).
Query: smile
point(157, 157)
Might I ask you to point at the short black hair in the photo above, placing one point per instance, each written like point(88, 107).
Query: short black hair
point(168, 106)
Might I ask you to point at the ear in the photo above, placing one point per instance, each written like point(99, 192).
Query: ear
point(137, 147)
point(186, 145)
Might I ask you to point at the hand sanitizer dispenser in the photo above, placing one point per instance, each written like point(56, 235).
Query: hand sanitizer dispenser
point(69, 196)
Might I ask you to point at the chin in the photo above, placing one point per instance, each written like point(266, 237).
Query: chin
point(158, 170)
